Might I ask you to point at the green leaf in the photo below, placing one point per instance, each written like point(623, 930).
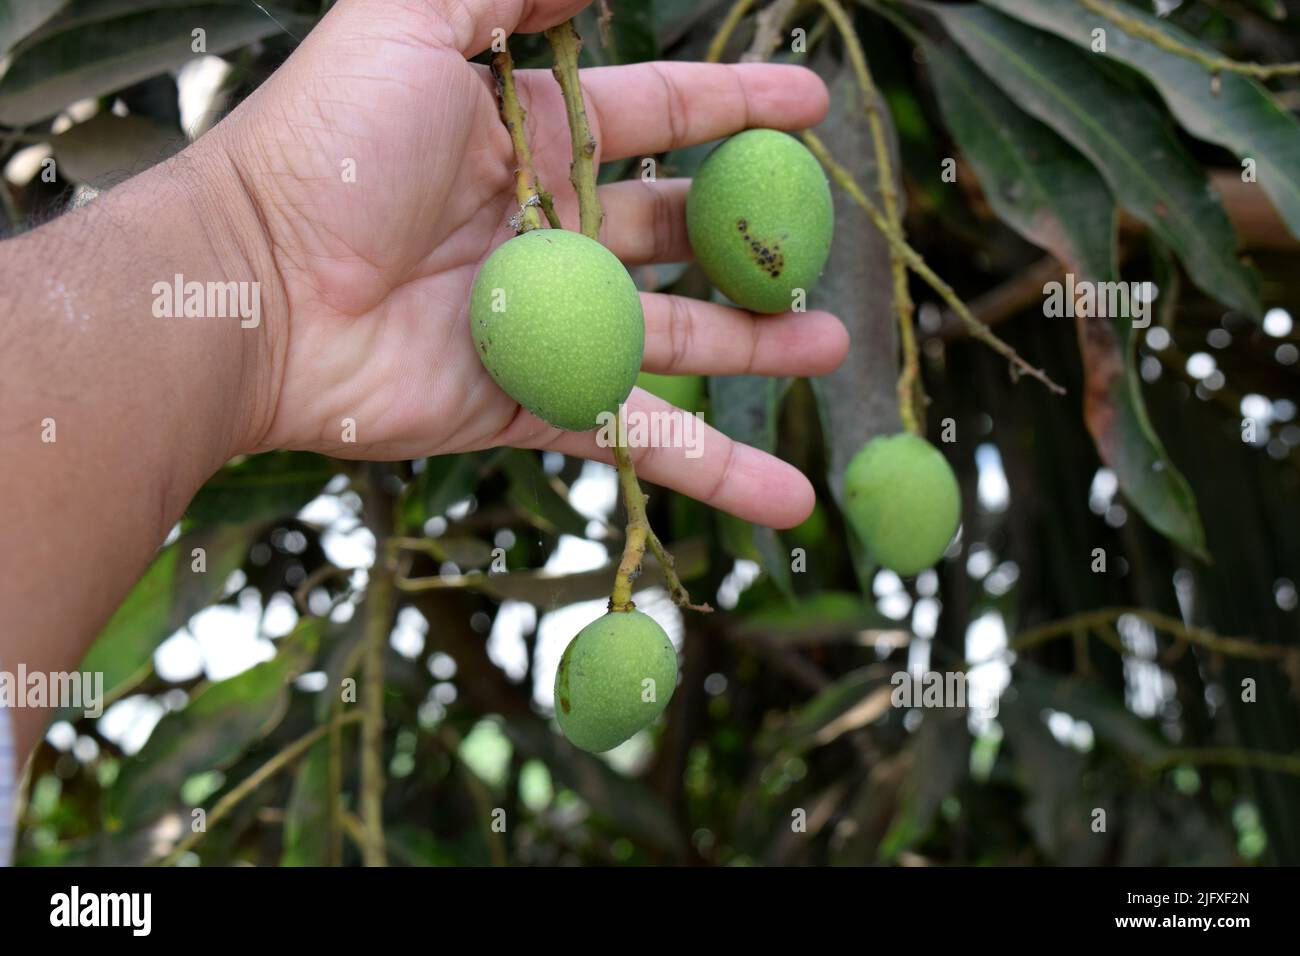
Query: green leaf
point(262, 487)
point(1116, 416)
point(632, 807)
point(306, 821)
point(220, 722)
point(1232, 110)
point(445, 480)
point(1036, 182)
point(940, 753)
point(18, 19)
point(83, 54)
point(106, 149)
point(855, 700)
point(1126, 137)
point(627, 37)
point(162, 601)
point(535, 492)
point(823, 617)
point(745, 409)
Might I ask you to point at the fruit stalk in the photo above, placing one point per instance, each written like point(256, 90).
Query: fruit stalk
point(528, 191)
point(566, 44)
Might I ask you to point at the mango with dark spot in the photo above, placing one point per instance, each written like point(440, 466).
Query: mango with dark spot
point(760, 219)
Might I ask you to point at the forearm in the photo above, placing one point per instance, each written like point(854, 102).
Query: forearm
point(116, 414)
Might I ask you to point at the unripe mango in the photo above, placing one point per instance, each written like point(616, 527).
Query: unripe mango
point(615, 677)
point(684, 391)
point(903, 500)
point(557, 322)
point(760, 219)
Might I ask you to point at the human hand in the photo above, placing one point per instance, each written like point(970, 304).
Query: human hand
point(374, 274)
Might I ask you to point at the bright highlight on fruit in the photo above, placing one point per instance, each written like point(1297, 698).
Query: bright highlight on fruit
point(615, 678)
point(760, 219)
point(903, 500)
point(557, 322)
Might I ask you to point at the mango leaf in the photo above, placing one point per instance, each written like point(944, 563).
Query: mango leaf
point(534, 491)
point(220, 722)
point(855, 700)
point(162, 601)
point(261, 487)
point(306, 821)
point(745, 409)
point(106, 149)
point(19, 19)
point(626, 35)
point(1126, 137)
point(1229, 109)
point(445, 480)
point(940, 752)
point(1036, 182)
point(1112, 722)
point(1117, 419)
point(827, 616)
point(79, 55)
point(633, 808)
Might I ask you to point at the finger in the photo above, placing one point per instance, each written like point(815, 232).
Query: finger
point(692, 337)
point(705, 464)
point(645, 222)
point(646, 108)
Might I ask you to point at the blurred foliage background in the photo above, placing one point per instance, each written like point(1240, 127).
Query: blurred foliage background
point(1122, 595)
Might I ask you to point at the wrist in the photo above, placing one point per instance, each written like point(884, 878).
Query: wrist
point(227, 220)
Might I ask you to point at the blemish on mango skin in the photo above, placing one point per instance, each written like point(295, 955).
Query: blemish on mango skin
point(563, 687)
point(766, 253)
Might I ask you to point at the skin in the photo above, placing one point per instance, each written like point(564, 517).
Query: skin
point(364, 295)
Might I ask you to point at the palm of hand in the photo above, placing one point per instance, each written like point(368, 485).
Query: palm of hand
point(384, 177)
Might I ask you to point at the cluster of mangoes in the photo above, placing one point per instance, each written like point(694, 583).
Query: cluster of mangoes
point(557, 322)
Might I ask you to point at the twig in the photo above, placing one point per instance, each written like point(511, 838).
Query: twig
point(918, 265)
point(566, 44)
point(1211, 62)
point(768, 29)
point(718, 45)
point(528, 192)
point(1100, 621)
point(1225, 756)
point(254, 780)
point(911, 396)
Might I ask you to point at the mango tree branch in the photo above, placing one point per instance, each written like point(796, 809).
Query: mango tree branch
point(528, 191)
point(918, 265)
point(566, 45)
point(911, 397)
